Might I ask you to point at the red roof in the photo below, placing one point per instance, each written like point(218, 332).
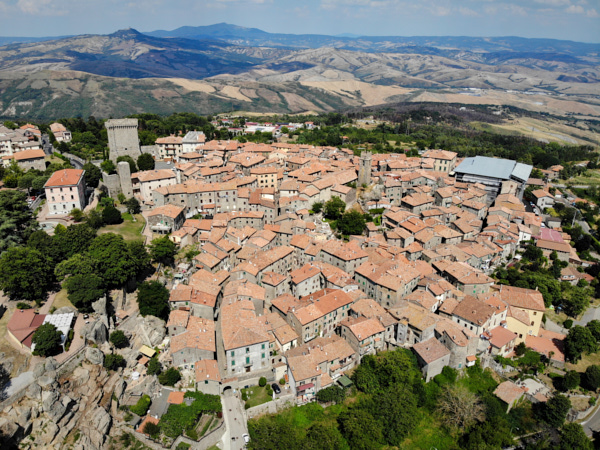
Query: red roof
point(65, 177)
point(304, 387)
point(23, 324)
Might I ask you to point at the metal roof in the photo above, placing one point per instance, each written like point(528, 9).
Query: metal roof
point(494, 168)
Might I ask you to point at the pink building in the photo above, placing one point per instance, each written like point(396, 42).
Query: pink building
point(65, 191)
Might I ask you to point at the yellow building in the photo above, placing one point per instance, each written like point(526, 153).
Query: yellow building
point(525, 310)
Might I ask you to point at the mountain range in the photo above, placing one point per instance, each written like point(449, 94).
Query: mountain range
point(221, 67)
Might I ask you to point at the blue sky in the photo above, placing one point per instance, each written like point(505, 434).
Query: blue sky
point(561, 19)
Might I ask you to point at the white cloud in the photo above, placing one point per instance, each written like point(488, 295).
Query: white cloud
point(592, 13)
point(468, 12)
point(42, 7)
point(575, 9)
point(553, 2)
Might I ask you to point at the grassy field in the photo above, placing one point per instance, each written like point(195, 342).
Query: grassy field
point(129, 229)
point(61, 300)
point(592, 180)
point(584, 362)
point(427, 435)
point(256, 396)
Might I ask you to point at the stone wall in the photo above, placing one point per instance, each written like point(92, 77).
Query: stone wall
point(271, 407)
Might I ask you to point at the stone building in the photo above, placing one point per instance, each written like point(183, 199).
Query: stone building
point(123, 138)
point(364, 173)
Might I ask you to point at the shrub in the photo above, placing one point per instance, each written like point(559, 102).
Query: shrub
point(152, 429)
point(568, 324)
point(23, 305)
point(113, 362)
point(169, 377)
point(154, 367)
point(262, 382)
point(282, 381)
point(142, 405)
point(118, 339)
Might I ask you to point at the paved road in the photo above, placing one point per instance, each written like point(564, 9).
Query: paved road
point(593, 423)
point(590, 314)
point(234, 421)
point(553, 326)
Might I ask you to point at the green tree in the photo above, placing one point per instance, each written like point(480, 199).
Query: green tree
point(133, 206)
point(83, 290)
point(317, 207)
point(93, 175)
point(152, 429)
point(323, 437)
point(140, 259)
point(572, 437)
point(351, 223)
point(576, 301)
point(121, 197)
point(361, 430)
point(113, 362)
point(47, 339)
point(94, 219)
point(132, 166)
point(112, 260)
point(554, 411)
point(38, 182)
point(334, 208)
point(118, 339)
point(111, 215)
point(109, 167)
point(145, 162)
point(142, 405)
point(76, 239)
point(25, 273)
point(163, 250)
point(16, 219)
point(262, 381)
point(579, 341)
point(153, 299)
point(396, 410)
point(591, 378)
point(154, 367)
point(332, 393)
point(571, 380)
point(169, 377)
point(520, 349)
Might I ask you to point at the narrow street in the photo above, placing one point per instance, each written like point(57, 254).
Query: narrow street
point(234, 421)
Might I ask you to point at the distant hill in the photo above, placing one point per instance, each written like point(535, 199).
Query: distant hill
point(224, 67)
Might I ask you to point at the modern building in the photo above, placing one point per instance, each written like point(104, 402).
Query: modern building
point(65, 191)
point(496, 174)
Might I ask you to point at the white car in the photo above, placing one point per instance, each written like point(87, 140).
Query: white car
point(246, 437)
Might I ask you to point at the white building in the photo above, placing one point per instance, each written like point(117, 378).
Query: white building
point(65, 191)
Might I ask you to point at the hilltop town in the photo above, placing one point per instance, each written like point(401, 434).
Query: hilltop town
point(285, 266)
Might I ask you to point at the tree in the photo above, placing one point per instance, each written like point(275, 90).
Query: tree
point(47, 339)
point(128, 159)
point(152, 429)
point(145, 162)
point(591, 378)
point(25, 273)
point(76, 239)
point(572, 437)
point(16, 219)
point(111, 215)
point(121, 197)
point(154, 366)
point(113, 362)
point(169, 377)
point(576, 301)
point(93, 175)
point(351, 223)
point(112, 260)
point(554, 411)
point(163, 250)
point(459, 407)
point(323, 437)
point(94, 219)
point(153, 299)
point(118, 339)
point(396, 410)
point(579, 340)
point(334, 208)
point(77, 215)
point(332, 393)
point(520, 349)
point(361, 430)
point(133, 206)
point(83, 290)
point(109, 167)
point(262, 381)
point(140, 258)
point(571, 380)
point(317, 207)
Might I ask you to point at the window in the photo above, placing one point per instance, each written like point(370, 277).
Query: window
point(232, 352)
point(262, 347)
point(232, 362)
point(247, 360)
point(262, 355)
point(247, 349)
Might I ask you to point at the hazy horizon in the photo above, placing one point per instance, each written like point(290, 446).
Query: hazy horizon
point(575, 20)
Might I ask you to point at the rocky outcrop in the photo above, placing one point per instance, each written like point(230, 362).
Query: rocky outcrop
point(96, 332)
point(94, 355)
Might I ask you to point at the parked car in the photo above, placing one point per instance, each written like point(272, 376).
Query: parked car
point(276, 388)
point(246, 437)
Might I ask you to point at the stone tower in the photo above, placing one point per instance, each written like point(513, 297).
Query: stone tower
point(364, 172)
point(125, 178)
point(123, 138)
